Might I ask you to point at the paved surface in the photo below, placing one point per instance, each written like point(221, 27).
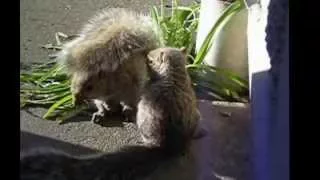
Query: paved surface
point(39, 20)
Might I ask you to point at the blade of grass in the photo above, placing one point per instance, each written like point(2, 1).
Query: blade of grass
point(215, 80)
point(45, 91)
point(67, 115)
point(214, 75)
point(25, 102)
point(57, 104)
point(225, 16)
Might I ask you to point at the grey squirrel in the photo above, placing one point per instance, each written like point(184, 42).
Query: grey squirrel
point(167, 110)
point(107, 61)
point(167, 118)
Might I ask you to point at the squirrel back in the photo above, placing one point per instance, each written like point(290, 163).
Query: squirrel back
point(108, 59)
point(168, 115)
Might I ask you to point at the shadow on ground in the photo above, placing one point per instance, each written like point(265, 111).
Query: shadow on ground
point(109, 121)
point(226, 150)
point(112, 120)
point(31, 140)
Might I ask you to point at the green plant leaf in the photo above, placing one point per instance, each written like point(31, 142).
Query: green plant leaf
point(56, 105)
point(232, 9)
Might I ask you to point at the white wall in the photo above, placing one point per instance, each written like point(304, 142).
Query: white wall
point(229, 48)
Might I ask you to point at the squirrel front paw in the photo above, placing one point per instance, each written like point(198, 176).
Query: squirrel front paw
point(128, 114)
point(97, 117)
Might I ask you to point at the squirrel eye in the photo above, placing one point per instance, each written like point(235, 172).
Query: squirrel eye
point(89, 87)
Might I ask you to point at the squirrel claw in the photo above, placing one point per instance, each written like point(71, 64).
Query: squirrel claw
point(97, 117)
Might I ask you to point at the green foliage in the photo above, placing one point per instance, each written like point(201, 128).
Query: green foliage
point(48, 86)
point(179, 30)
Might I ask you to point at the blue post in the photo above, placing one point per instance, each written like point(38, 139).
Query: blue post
point(270, 100)
point(278, 48)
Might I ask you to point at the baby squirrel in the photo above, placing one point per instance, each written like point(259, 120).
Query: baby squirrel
point(107, 61)
point(167, 111)
point(167, 118)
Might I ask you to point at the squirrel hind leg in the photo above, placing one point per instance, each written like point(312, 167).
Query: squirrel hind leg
point(128, 112)
point(97, 117)
point(105, 108)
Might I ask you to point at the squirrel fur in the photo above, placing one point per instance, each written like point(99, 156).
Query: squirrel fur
point(107, 61)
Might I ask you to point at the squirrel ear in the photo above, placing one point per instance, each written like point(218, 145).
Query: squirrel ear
point(183, 50)
point(152, 55)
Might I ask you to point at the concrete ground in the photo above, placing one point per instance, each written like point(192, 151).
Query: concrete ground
point(40, 19)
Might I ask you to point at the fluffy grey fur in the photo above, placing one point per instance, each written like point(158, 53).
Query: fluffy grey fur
point(108, 59)
point(167, 112)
